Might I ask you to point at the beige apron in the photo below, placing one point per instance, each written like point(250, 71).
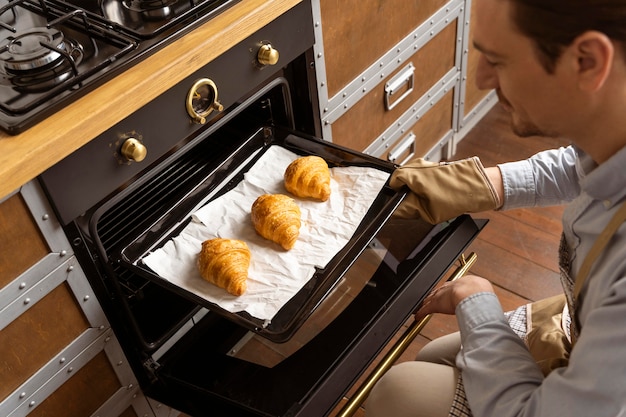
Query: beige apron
point(552, 323)
point(546, 325)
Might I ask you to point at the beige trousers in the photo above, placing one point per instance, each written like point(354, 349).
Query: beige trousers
point(421, 388)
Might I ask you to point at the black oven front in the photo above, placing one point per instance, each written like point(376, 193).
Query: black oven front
point(186, 352)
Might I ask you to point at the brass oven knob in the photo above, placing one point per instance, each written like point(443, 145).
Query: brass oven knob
point(267, 55)
point(202, 100)
point(133, 150)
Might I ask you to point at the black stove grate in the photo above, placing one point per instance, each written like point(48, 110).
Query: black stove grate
point(99, 48)
point(102, 47)
point(147, 19)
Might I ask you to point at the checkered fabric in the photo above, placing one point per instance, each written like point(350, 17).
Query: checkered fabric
point(459, 403)
point(460, 408)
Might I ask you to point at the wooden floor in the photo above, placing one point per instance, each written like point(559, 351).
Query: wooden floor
point(517, 251)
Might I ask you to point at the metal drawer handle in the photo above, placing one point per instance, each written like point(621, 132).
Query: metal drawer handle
point(407, 144)
point(398, 349)
point(404, 77)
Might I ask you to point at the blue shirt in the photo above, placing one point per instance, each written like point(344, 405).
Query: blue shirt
point(500, 377)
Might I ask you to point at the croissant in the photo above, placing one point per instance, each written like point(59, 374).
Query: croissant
point(276, 217)
point(308, 176)
point(225, 263)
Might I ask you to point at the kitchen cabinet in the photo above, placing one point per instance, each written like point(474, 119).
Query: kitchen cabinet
point(395, 78)
point(474, 103)
point(58, 354)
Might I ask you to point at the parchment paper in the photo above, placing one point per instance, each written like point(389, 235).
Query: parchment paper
point(275, 275)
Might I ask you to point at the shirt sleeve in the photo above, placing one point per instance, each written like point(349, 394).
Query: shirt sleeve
point(501, 378)
point(496, 366)
point(547, 178)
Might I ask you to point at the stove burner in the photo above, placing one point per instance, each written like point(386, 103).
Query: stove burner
point(53, 52)
point(44, 78)
point(37, 59)
point(150, 9)
point(32, 49)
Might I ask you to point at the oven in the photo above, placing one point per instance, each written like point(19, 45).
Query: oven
point(141, 186)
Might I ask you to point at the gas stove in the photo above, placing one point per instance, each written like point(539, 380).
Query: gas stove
point(54, 52)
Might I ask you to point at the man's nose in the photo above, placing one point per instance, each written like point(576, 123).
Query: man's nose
point(486, 77)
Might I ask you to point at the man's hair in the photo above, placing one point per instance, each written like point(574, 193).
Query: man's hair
point(554, 24)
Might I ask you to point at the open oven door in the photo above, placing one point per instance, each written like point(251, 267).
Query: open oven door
point(317, 346)
point(240, 373)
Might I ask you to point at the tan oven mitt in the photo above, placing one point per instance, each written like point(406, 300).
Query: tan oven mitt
point(444, 190)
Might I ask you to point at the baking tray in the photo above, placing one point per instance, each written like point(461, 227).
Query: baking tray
point(295, 312)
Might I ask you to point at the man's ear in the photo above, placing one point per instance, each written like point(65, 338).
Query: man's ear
point(594, 53)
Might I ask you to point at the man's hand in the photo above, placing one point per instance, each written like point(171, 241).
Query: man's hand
point(442, 191)
point(445, 298)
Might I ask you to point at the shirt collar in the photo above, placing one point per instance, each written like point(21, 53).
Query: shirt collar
point(606, 181)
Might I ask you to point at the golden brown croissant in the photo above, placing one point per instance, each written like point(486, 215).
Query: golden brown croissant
point(225, 263)
point(308, 176)
point(276, 217)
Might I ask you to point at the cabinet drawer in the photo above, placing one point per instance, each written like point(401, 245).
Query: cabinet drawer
point(362, 124)
point(74, 398)
point(58, 354)
point(32, 243)
point(37, 336)
point(353, 40)
point(94, 379)
point(421, 138)
point(22, 243)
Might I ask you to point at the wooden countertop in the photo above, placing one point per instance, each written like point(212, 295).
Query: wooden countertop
point(25, 156)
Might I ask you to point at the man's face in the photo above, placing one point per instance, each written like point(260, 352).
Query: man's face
point(510, 65)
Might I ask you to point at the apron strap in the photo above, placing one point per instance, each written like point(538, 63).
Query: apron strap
point(598, 247)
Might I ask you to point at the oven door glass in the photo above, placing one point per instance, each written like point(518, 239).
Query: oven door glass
point(220, 369)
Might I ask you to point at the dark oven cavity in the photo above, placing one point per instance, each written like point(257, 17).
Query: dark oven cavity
point(189, 354)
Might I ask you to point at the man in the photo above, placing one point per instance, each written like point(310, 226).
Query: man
point(559, 68)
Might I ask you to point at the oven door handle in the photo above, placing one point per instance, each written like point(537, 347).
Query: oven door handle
point(398, 349)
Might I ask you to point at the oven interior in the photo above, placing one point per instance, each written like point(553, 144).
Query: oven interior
point(323, 280)
point(157, 201)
